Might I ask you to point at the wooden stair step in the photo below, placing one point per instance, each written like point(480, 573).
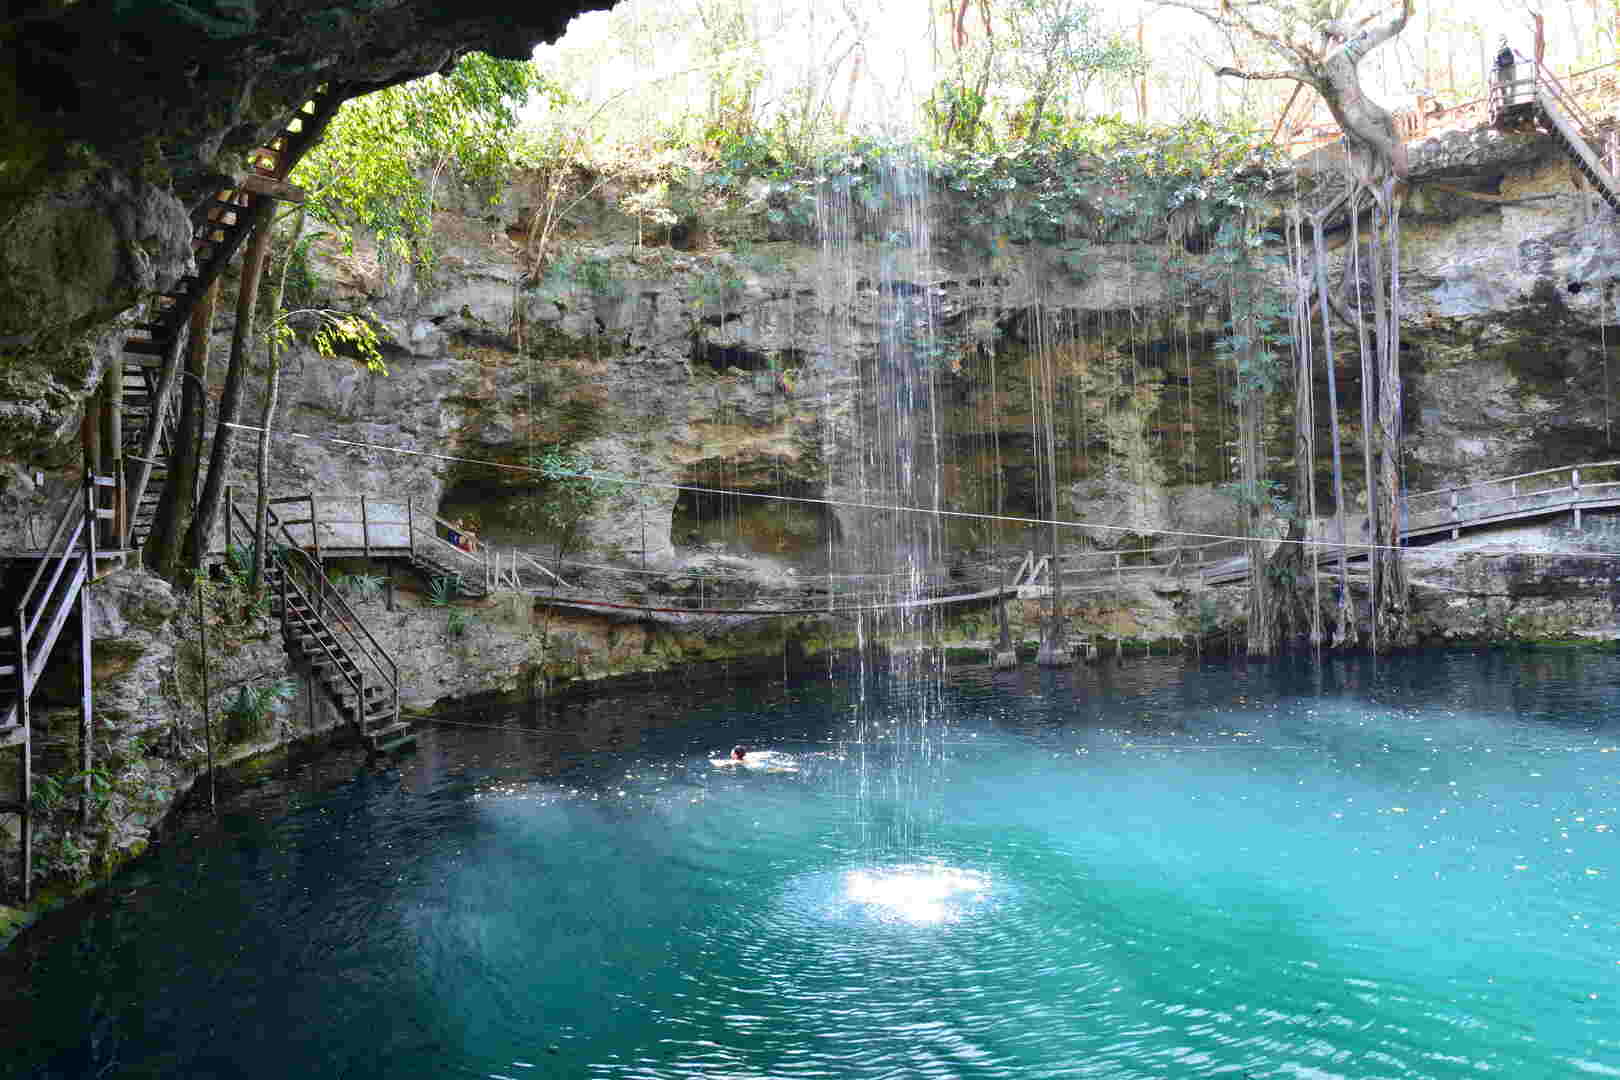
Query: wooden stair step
point(400, 743)
point(390, 730)
point(146, 348)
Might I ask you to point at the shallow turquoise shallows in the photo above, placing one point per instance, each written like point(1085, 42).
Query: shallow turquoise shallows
point(1402, 869)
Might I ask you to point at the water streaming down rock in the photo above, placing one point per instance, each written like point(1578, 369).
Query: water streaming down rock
point(877, 268)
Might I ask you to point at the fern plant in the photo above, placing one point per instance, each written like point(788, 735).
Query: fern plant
point(249, 710)
point(442, 590)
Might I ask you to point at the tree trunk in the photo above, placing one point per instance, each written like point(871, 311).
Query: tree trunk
point(1054, 651)
point(272, 391)
point(1392, 615)
point(162, 550)
point(202, 523)
point(1344, 629)
point(1369, 368)
point(1251, 402)
point(1262, 635)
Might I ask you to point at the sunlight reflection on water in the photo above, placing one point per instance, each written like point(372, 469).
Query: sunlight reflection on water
point(917, 894)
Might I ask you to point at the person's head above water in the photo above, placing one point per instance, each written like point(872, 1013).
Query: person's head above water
point(739, 752)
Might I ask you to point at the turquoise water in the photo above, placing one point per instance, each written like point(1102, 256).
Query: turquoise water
point(1406, 869)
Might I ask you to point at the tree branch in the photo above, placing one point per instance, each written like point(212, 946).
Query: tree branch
point(1297, 76)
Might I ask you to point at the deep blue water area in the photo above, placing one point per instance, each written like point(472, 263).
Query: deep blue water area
point(1400, 868)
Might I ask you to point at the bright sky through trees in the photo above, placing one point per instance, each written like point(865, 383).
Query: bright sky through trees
point(649, 68)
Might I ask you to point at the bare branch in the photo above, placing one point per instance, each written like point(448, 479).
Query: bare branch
point(1297, 76)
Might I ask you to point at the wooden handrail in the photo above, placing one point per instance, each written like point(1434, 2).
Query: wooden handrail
point(1517, 476)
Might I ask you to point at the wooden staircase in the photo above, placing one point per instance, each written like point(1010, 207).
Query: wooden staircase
point(151, 363)
point(322, 632)
point(1534, 92)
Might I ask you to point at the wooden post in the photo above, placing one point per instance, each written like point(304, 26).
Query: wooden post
point(388, 595)
point(1454, 519)
point(1575, 493)
point(410, 525)
point(315, 535)
point(1541, 38)
point(365, 532)
point(230, 513)
point(90, 433)
point(112, 446)
point(90, 500)
point(115, 450)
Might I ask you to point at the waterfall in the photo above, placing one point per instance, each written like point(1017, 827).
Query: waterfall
point(879, 290)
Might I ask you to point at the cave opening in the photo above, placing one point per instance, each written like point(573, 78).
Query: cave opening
point(744, 524)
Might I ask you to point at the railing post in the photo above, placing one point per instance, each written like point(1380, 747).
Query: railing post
point(286, 572)
point(315, 536)
point(230, 513)
point(410, 524)
point(90, 528)
point(25, 772)
point(121, 522)
point(1575, 495)
point(1454, 519)
point(365, 532)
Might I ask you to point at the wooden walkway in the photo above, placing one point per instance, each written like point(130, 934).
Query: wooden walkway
point(365, 527)
point(1447, 513)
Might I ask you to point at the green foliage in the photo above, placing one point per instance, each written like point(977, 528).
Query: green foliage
point(567, 492)
point(361, 588)
point(248, 711)
point(592, 273)
point(333, 334)
point(442, 591)
point(1057, 48)
point(385, 155)
point(234, 601)
point(455, 624)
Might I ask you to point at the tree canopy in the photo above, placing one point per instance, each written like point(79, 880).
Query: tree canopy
point(387, 155)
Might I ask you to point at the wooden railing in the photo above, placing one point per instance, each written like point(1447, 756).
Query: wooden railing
point(333, 526)
point(67, 564)
point(1546, 491)
point(1597, 86)
point(70, 555)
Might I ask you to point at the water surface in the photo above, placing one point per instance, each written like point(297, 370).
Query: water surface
point(1405, 869)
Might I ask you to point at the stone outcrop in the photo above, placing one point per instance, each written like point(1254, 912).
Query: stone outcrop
point(116, 119)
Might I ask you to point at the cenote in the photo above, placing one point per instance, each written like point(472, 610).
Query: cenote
point(1393, 868)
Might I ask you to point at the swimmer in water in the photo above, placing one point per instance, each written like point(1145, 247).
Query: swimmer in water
point(764, 760)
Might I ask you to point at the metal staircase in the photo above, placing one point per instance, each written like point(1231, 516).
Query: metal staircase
point(151, 363)
point(1528, 91)
point(42, 608)
point(322, 632)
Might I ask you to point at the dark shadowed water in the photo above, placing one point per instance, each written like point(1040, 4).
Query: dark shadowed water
point(1400, 870)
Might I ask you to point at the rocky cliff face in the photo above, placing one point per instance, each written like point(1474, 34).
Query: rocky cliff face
point(744, 360)
point(750, 368)
point(116, 119)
